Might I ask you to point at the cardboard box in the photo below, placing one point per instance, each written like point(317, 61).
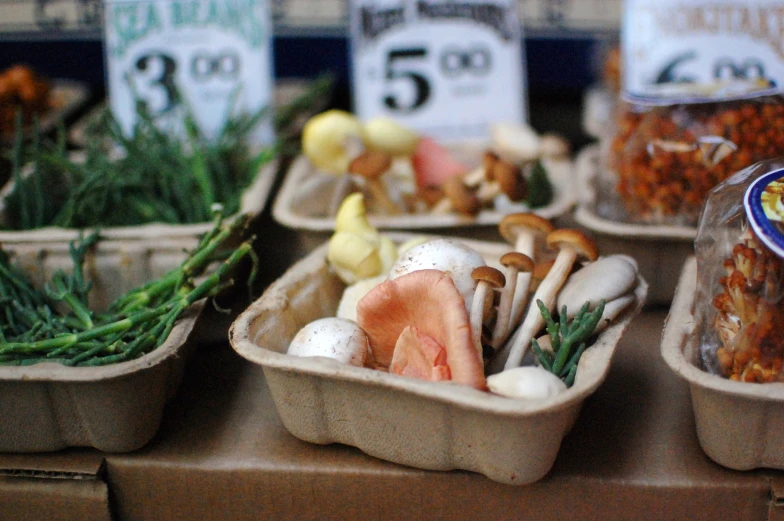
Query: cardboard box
point(64, 486)
point(633, 454)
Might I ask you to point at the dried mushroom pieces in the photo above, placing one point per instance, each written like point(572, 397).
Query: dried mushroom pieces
point(750, 313)
point(740, 259)
point(667, 158)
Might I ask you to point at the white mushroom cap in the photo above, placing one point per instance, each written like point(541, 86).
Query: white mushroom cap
point(337, 338)
point(607, 278)
point(515, 142)
point(347, 308)
point(455, 259)
point(526, 383)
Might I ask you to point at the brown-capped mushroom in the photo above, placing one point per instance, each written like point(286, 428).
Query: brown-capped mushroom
point(487, 279)
point(504, 178)
point(372, 165)
point(482, 173)
point(572, 245)
point(514, 262)
point(522, 231)
point(458, 197)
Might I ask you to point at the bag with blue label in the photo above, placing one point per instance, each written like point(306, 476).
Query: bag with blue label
point(675, 142)
point(740, 262)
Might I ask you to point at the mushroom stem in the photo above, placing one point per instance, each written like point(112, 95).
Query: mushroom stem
point(514, 262)
point(486, 279)
point(546, 292)
point(570, 244)
point(478, 308)
point(379, 193)
point(525, 244)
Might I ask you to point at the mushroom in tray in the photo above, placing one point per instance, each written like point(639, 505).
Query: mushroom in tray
point(418, 325)
point(357, 250)
point(572, 245)
point(450, 256)
point(336, 338)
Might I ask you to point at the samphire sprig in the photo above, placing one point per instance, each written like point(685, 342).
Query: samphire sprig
point(569, 339)
point(55, 325)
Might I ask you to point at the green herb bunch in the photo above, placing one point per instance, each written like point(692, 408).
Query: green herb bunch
point(151, 176)
point(568, 338)
point(56, 324)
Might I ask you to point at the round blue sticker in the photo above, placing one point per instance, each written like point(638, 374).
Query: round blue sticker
point(764, 204)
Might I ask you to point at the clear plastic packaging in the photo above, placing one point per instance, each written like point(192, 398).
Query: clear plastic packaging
point(665, 156)
point(740, 288)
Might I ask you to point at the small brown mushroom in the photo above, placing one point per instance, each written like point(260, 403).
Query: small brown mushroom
point(572, 245)
point(372, 165)
point(510, 180)
point(482, 173)
point(457, 197)
point(514, 262)
point(522, 231)
point(487, 279)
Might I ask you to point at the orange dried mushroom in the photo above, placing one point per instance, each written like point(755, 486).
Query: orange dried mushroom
point(751, 313)
point(23, 90)
point(667, 158)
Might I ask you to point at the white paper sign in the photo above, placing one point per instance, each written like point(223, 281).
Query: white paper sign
point(447, 68)
point(699, 41)
point(210, 51)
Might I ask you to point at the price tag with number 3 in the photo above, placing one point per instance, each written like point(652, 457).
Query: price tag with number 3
point(214, 55)
point(447, 68)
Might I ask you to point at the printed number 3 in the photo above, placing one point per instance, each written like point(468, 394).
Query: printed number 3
point(419, 83)
point(159, 70)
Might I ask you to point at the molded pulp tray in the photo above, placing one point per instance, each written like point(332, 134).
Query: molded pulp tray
point(306, 195)
point(429, 425)
point(739, 425)
point(659, 250)
point(114, 408)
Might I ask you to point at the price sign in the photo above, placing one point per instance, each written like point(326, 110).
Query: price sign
point(448, 68)
point(211, 56)
point(699, 41)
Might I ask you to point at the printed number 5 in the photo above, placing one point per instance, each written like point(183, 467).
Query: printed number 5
point(159, 69)
point(419, 83)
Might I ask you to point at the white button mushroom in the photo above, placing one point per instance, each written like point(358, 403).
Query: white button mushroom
point(526, 383)
point(455, 259)
point(336, 338)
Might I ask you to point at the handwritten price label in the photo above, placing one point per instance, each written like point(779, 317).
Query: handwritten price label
point(449, 69)
point(213, 55)
point(688, 41)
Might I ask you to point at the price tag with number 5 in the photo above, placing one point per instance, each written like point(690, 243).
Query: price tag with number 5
point(447, 68)
point(213, 55)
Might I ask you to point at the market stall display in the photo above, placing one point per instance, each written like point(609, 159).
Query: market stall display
point(724, 336)
point(412, 181)
point(414, 345)
point(118, 365)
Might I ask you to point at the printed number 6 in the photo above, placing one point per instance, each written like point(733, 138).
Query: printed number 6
point(420, 84)
point(161, 68)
